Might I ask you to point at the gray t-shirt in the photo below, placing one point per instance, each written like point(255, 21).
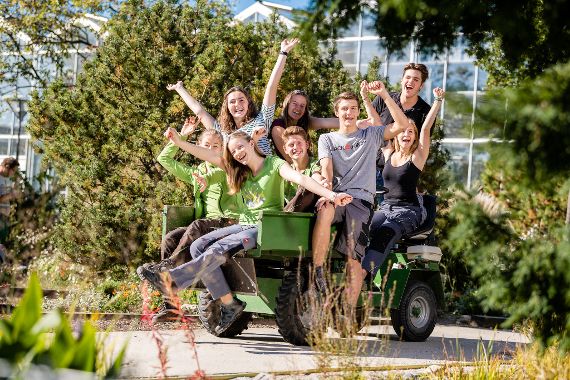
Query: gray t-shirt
point(354, 160)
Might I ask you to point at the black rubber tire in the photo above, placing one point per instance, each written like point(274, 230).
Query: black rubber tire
point(289, 301)
point(209, 315)
point(415, 319)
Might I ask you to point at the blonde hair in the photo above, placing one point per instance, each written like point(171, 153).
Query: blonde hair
point(208, 133)
point(398, 148)
point(236, 172)
point(226, 119)
point(297, 131)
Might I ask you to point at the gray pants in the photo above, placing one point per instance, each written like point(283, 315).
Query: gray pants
point(387, 227)
point(209, 252)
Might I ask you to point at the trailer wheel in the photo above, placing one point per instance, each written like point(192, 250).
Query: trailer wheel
point(414, 320)
point(292, 313)
point(209, 314)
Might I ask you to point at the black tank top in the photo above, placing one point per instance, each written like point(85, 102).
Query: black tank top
point(401, 182)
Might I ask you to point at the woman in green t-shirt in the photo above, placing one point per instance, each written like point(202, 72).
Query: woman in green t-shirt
point(260, 180)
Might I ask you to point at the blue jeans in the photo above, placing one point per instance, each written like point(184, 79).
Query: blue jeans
point(208, 253)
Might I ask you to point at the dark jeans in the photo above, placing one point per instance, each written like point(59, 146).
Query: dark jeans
point(176, 243)
point(387, 227)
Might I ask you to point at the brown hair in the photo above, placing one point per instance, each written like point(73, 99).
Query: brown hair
point(347, 95)
point(210, 132)
point(416, 142)
point(417, 66)
point(226, 119)
point(236, 172)
point(297, 131)
point(303, 122)
point(10, 163)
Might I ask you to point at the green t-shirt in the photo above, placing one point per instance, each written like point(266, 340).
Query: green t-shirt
point(291, 188)
point(263, 191)
point(214, 202)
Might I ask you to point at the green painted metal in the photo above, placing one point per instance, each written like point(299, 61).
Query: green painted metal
point(176, 216)
point(264, 301)
point(284, 231)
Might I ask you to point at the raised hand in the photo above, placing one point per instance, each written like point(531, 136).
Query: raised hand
point(376, 87)
point(364, 89)
point(175, 87)
point(189, 126)
point(173, 135)
point(202, 182)
point(288, 44)
point(438, 93)
point(257, 133)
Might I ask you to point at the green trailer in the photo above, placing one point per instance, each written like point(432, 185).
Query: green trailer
point(274, 277)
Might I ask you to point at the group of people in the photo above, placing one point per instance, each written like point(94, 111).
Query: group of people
point(241, 176)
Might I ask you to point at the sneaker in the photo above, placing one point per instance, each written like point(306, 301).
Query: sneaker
point(229, 314)
point(167, 313)
point(161, 281)
point(161, 266)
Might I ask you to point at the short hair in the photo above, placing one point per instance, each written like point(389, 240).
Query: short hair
point(347, 95)
point(10, 163)
point(417, 66)
point(210, 132)
point(297, 131)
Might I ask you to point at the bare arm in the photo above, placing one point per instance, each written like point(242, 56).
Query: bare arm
point(400, 119)
point(370, 110)
point(327, 170)
point(291, 175)
point(203, 115)
point(195, 150)
point(422, 152)
point(323, 123)
point(271, 89)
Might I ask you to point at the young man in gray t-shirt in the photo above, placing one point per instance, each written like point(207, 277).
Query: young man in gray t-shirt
point(348, 162)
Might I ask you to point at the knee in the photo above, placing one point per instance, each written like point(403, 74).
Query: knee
point(326, 213)
point(197, 247)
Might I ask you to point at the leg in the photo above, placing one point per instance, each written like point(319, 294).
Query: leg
point(355, 277)
point(170, 241)
point(322, 234)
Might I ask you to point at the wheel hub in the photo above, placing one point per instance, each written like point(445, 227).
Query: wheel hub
point(418, 311)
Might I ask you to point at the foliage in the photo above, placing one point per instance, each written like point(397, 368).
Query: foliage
point(530, 35)
point(28, 337)
point(102, 136)
point(37, 34)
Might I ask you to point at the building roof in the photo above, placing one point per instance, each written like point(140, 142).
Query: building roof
point(265, 9)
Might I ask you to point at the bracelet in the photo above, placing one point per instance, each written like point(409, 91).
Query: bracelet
point(333, 197)
point(284, 53)
point(438, 99)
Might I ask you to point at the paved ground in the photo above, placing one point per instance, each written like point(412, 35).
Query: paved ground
point(261, 350)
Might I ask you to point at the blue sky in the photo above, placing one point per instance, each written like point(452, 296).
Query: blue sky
point(242, 4)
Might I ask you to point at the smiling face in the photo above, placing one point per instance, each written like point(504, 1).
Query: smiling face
point(407, 140)
point(237, 105)
point(347, 111)
point(296, 147)
point(212, 142)
point(411, 83)
point(297, 107)
point(241, 149)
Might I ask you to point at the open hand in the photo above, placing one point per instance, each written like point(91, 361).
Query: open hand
point(288, 44)
point(189, 126)
point(364, 123)
point(175, 87)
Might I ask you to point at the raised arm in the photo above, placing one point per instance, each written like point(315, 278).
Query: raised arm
point(370, 110)
point(422, 152)
point(271, 89)
point(400, 120)
point(291, 175)
point(195, 150)
point(204, 116)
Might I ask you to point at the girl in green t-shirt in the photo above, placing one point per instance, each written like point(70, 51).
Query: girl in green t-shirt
point(260, 180)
